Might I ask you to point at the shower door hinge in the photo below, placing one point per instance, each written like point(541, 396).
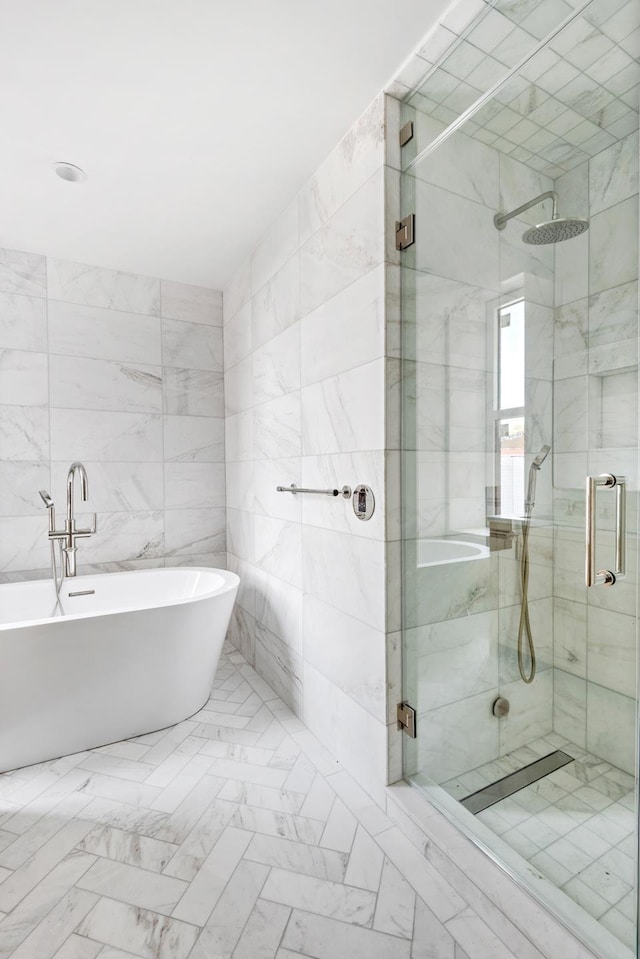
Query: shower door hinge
point(406, 715)
point(406, 133)
point(405, 232)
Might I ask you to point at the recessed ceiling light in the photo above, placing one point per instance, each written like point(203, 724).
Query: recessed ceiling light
point(69, 172)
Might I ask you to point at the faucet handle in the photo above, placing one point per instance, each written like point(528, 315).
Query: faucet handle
point(83, 533)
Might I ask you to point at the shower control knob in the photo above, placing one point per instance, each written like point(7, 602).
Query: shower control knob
point(501, 707)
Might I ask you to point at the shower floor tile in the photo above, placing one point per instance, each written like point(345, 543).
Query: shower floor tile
point(575, 826)
point(233, 835)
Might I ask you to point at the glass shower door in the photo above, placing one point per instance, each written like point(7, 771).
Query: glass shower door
point(520, 381)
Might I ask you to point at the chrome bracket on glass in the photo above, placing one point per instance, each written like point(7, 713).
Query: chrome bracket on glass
point(605, 577)
point(345, 491)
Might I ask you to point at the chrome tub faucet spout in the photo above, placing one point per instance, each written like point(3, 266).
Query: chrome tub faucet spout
point(71, 533)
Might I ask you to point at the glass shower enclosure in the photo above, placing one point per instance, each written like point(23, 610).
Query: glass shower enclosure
point(520, 452)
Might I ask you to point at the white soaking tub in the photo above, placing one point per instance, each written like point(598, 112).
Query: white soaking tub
point(137, 652)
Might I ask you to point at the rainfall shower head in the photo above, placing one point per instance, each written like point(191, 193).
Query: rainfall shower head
point(555, 230)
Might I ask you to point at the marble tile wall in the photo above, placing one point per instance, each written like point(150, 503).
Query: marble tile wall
point(124, 373)
point(309, 326)
point(596, 430)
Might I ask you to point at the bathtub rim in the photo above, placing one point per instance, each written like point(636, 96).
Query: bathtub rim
point(231, 581)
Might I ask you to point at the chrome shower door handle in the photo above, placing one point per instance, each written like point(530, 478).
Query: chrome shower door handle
point(605, 577)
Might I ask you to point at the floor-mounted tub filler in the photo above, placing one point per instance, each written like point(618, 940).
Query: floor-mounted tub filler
point(118, 655)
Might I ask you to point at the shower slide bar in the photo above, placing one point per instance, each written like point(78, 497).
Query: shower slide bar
point(605, 577)
point(345, 491)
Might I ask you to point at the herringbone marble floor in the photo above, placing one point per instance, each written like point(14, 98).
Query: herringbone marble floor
point(233, 834)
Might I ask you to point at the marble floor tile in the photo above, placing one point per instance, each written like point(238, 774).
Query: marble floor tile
point(577, 828)
point(236, 835)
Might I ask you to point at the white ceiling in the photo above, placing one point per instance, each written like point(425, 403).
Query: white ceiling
point(196, 120)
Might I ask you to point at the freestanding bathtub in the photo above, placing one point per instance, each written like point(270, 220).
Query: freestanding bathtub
point(122, 654)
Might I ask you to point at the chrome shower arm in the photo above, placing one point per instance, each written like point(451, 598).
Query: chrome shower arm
point(501, 219)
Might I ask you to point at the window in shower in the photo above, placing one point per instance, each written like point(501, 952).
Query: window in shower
point(509, 418)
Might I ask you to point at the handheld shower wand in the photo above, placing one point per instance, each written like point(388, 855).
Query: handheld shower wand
point(524, 625)
point(534, 469)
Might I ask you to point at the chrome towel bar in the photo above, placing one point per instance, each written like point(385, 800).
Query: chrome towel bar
point(345, 491)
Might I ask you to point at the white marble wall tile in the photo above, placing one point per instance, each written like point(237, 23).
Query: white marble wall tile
point(276, 366)
point(239, 436)
point(95, 286)
point(238, 387)
point(91, 331)
point(341, 724)
point(22, 273)
point(345, 412)
point(469, 255)
point(613, 174)
point(278, 548)
point(570, 636)
point(531, 715)
point(466, 167)
point(347, 572)
point(570, 707)
point(346, 331)
point(23, 322)
point(456, 659)
point(192, 345)
point(237, 336)
point(347, 247)
point(613, 315)
point(276, 428)
point(193, 392)
point(280, 666)
point(112, 486)
point(611, 720)
point(97, 436)
point(194, 439)
point(276, 305)
point(122, 536)
point(194, 531)
point(278, 607)
point(81, 383)
point(23, 378)
point(571, 328)
point(239, 485)
point(348, 652)
point(453, 590)
point(444, 320)
point(613, 250)
point(194, 485)
point(611, 650)
point(274, 249)
point(350, 164)
point(23, 543)
point(571, 414)
point(24, 432)
point(20, 483)
point(241, 534)
point(458, 737)
point(192, 304)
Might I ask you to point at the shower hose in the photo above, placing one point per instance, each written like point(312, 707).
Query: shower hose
point(524, 626)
